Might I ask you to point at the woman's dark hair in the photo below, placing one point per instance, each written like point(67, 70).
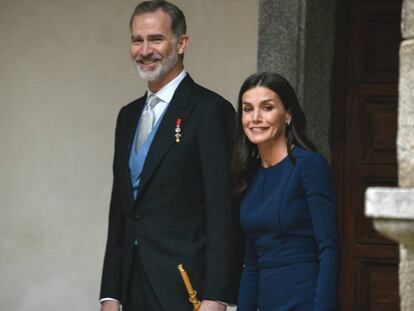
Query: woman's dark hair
point(245, 153)
point(178, 23)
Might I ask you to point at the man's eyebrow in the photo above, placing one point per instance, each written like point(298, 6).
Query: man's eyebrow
point(156, 36)
point(150, 37)
point(135, 37)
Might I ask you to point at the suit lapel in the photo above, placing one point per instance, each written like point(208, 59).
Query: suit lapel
point(131, 124)
point(179, 107)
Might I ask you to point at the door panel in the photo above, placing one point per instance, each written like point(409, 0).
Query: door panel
point(364, 146)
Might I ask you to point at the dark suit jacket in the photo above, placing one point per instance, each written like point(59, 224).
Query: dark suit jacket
point(184, 212)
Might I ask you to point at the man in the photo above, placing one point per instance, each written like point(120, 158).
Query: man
point(171, 199)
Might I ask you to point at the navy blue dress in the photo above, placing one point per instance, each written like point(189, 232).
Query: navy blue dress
point(289, 217)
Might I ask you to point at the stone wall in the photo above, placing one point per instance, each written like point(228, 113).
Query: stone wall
point(296, 39)
point(405, 140)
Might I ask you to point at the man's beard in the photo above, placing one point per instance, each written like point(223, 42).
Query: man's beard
point(161, 69)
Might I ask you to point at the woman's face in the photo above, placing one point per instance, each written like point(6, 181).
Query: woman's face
point(264, 117)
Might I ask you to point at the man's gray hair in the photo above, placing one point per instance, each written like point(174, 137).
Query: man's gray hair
point(178, 23)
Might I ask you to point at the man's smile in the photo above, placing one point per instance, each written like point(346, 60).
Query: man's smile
point(148, 62)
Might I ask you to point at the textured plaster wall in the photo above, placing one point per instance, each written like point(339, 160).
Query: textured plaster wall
point(64, 74)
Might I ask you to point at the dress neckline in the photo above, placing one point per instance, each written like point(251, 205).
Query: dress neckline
point(280, 163)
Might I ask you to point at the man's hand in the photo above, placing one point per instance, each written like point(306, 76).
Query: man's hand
point(210, 305)
point(110, 305)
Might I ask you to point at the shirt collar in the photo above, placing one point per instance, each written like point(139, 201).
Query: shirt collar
point(166, 93)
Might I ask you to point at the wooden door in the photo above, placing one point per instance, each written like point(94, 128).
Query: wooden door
point(364, 146)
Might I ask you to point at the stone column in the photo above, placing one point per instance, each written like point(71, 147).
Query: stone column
point(296, 39)
point(393, 208)
point(405, 139)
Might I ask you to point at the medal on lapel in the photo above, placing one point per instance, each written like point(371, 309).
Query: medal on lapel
point(178, 130)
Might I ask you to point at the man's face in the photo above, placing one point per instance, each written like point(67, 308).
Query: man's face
point(154, 47)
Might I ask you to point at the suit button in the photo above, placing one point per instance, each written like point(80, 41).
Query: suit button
point(137, 217)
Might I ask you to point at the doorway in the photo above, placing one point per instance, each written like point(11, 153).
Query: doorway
point(364, 146)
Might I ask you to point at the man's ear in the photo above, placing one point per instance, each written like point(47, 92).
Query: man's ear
point(182, 44)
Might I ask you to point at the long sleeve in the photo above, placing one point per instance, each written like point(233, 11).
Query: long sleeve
point(247, 300)
point(250, 255)
point(222, 228)
point(112, 268)
point(317, 184)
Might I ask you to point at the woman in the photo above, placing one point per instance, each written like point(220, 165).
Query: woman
point(288, 206)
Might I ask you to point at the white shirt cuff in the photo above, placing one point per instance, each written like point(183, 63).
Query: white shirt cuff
point(106, 299)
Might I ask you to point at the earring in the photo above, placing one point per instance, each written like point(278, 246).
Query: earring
point(288, 122)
